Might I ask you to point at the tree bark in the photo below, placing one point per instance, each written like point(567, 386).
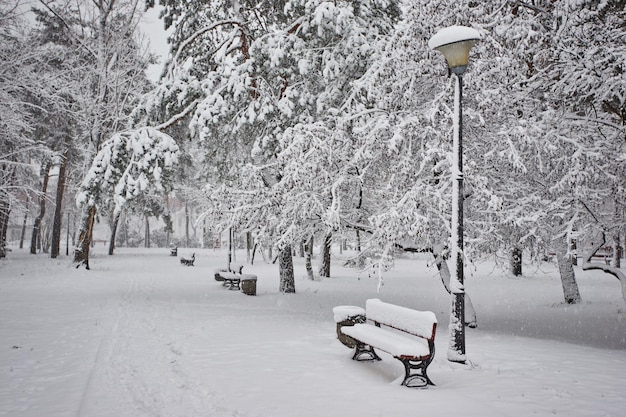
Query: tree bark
point(4, 223)
point(325, 258)
point(116, 222)
point(285, 266)
point(35, 238)
point(308, 256)
point(186, 224)
point(146, 242)
point(568, 277)
point(248, 246)
point(81, 252)
point(57, 223)
point(617, 250)
point(516, 261)
point(23, 233)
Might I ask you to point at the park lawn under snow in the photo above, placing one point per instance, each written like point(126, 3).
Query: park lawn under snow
point(141, 335)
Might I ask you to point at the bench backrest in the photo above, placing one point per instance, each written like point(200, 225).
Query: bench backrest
point(419, 323)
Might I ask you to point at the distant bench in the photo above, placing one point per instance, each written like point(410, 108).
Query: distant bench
point(234, 279)
point(408, 335)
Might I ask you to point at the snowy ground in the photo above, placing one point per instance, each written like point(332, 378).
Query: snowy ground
point(141, 335)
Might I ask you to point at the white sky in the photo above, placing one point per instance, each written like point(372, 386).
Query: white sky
point(152, 27)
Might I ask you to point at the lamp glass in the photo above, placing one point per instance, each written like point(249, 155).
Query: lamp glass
point(457, 53)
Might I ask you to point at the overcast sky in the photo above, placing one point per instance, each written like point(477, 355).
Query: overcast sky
point(152, 26)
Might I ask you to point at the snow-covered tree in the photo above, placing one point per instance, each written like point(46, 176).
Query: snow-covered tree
point(129, 166)
point(109, 81)
point(262, 77)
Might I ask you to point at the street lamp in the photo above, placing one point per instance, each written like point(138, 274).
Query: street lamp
point(454, 43)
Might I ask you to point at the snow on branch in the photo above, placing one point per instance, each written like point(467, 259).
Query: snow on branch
point(129, 164)
point(616, 272)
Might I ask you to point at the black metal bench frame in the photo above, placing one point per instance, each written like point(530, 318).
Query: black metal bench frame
point(415, 368)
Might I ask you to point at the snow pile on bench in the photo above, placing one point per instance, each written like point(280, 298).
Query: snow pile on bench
point(417, 322)
point(396, 344)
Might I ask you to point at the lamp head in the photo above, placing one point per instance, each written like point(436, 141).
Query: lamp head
point(455, 43)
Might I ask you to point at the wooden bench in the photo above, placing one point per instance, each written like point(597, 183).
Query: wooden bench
point(231, 280)
point(407, 335)
point(188, 261)
point(234, 279)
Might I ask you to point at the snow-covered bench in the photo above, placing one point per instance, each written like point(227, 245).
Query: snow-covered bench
point(234, 279)
point(221, 273)
point(407, 335)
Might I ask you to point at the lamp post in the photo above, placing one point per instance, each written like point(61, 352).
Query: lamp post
point(454, 43)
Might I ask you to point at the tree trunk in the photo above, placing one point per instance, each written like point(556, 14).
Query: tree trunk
point(34, 240)
point(325, 258)
point(67, 236)
point(57, 223)
point(256, 245)
point(568, 278)
point(147, 233)
point(285, 266)
point(308, 256)
point(516, 261)
point(81, 252)
point(186, 224)
point(444, 274)
point(116, 222)
point(4, 223)
point(248, 246)
point(23, 233)
point(617, 250)
point(574, 250)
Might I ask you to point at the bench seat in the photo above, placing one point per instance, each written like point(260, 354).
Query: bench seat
point(396, 344)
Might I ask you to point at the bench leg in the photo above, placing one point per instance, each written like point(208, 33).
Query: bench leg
point(418, 379)
point(363, 352)
point(231, 284)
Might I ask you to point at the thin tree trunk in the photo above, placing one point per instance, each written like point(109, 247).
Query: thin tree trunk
point(516, 261)
point(248, 246)
point(186, 224)
point(325, 258)
point(81, 253)
point(308, 256)
point(57, 223)
point(256, 245)
point(126, 230)
point(67, 236)
point(285, 266)
point(116, 222)
point(23, 233)
point(147, 233)
point(45, 173)
point(4, 225)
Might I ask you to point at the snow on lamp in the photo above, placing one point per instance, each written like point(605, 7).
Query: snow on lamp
point(455, 43)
